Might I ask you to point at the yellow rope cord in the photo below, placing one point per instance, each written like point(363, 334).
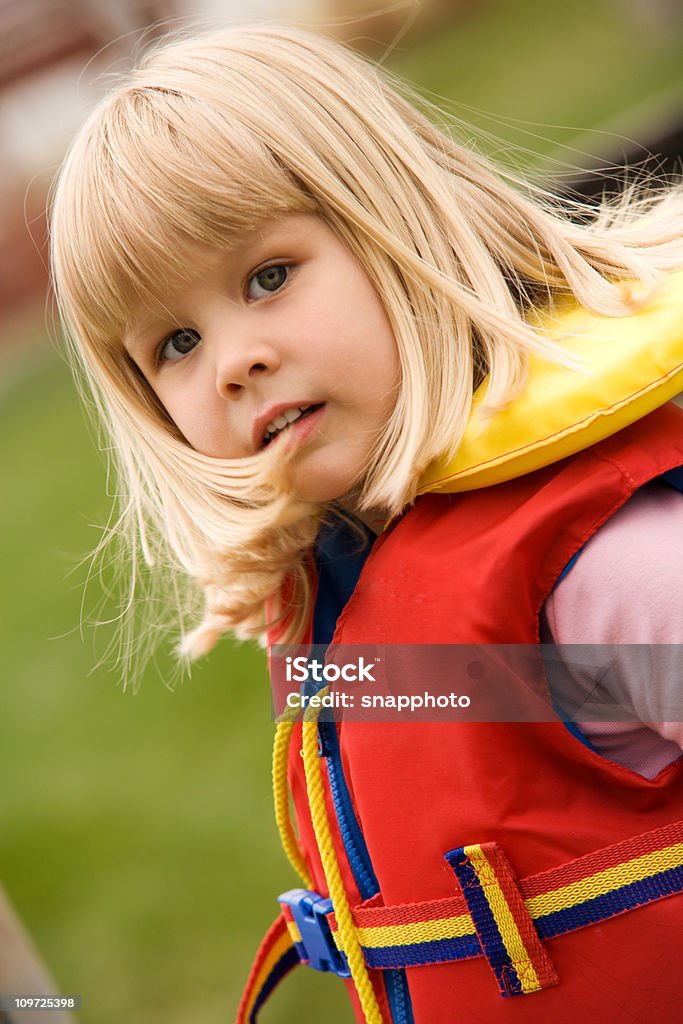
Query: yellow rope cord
point(348, 935)
point(283, 820)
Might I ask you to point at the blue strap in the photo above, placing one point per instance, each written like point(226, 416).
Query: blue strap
point(340, 556)
point(352, 837)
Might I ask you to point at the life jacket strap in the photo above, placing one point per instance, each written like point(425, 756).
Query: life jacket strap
point(582, 892)
point(275, 959)
point(506, 932)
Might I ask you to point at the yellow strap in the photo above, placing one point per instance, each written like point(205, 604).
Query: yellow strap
point(514, 942)
point(632, 365)
point(347, 933)
point(283, 820)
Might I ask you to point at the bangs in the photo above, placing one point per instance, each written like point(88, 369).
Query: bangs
point(153, 173)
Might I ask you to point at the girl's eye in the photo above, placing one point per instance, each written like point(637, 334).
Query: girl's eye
point(265, 282)
point(178, 345)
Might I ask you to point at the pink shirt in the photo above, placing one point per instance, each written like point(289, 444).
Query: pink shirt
point(626, 588)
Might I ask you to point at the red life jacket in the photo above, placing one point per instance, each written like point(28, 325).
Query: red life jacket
point(516, 800)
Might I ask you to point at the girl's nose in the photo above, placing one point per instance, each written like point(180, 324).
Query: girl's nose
point(240, 363)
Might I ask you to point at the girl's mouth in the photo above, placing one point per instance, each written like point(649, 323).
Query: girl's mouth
point(290, 418)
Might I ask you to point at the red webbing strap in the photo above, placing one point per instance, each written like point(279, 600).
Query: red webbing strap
point(582, 892)
point(585, 891)
point(276, 958)
point(506, 933)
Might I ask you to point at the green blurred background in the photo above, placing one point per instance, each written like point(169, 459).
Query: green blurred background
point(137, 836)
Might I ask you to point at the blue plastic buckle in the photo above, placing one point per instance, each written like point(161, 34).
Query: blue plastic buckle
point(315, 944)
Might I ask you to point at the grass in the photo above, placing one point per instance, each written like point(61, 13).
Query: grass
point(137, 841)
point(138, 844)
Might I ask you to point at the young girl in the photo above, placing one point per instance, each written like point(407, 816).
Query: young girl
point(284, 287)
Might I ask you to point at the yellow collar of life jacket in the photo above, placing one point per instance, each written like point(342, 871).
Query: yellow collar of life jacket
point(632, 365)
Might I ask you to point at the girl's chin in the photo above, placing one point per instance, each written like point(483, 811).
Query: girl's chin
point(323, 486)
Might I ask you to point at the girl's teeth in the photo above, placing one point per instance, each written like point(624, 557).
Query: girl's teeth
point(283, 420)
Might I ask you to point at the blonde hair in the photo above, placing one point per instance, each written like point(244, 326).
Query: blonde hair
point(213, 134)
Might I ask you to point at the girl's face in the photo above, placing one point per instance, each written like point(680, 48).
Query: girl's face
point(279, 340)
